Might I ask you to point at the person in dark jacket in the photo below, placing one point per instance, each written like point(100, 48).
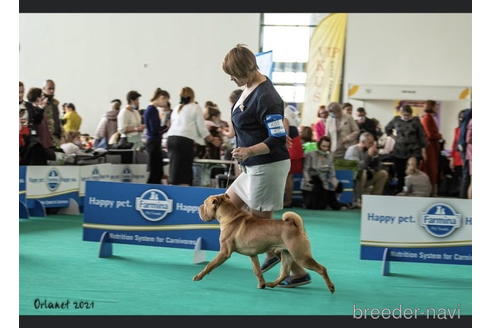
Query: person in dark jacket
point(52, 114)
point(154, 132)
point(32, 152)
point(467, 116)
point(367, 124)
point(410, 141)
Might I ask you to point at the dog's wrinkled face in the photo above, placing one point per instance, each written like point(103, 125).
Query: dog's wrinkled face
point(208, 209)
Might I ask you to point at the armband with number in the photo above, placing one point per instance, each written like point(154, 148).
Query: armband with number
point(275, 125)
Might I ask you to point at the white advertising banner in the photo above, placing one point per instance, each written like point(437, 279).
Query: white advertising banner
point(96, 172)
point(414, 227)
point(52, 185)
point(136, 173)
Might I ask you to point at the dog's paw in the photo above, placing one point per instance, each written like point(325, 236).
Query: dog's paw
point(271, 284)
point(332, 288)
point(197, 277)
point(261, 286)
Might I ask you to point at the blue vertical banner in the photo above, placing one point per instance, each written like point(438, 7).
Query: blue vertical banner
point(265, 63)
point(146, 214)
point(22, 184)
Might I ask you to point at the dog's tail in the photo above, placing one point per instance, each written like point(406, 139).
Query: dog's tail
point(295, 219)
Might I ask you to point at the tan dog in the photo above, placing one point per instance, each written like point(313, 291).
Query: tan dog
point(248, 235)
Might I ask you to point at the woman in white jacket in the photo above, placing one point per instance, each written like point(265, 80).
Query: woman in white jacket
point(187, 127)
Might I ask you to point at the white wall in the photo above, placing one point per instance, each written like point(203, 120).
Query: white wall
point(94, 58)
point(409, 49)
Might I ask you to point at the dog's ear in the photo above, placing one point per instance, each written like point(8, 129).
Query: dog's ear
point(227, 196)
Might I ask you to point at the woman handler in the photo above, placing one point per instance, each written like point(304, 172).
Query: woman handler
point(258, 121)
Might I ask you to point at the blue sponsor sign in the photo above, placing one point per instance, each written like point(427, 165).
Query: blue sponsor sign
point(146, 214)
point(346, 177)
point(22, 184)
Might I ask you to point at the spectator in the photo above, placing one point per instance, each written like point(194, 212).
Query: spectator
point(129, 121)
point(319, 128)
point(387, 144)
point(228, 131)
point(108, 125)
point(469, 155)
point(165, 115)
point(32, 151)
point(347, 109)
point(64, 109)
point(52, 114)
point(456, 161)
point(213, 123)
point(409, 141)
point(71, 119)
point(431, 164)
point(23, 117)
point(417, 183)
point(187, 127)
point(87, 142)
point(71, 143)
point(370, 173)
point(235, 95)
point(367, 124)
point(462, 144)
point(154, 132)
point(295, 151)
point(319, 183)
point(306, 134)
point(342, 130)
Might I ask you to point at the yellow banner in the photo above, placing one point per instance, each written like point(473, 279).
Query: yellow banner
point(324, 68)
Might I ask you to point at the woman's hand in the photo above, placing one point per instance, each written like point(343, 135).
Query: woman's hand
point(241, 153)
point(424, 154)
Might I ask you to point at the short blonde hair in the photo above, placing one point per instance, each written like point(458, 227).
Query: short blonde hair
point(239, 62)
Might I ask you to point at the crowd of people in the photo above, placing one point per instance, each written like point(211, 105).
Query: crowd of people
point(405, 157)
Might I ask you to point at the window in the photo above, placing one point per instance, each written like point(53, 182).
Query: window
point(288, 36)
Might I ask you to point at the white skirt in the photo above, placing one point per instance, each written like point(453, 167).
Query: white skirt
point(262, 186)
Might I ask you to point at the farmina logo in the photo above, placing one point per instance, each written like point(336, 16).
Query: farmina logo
point(440, 220)
point(126, 175)
point(53, 179)
point(154, 205)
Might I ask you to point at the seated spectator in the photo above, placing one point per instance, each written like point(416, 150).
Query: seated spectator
point(417, 183)
point(71, 143)
point(87, 142)
point(370, 173)
point(319, 184)
point(71, 119)
point(108, 125)
point(367, 124)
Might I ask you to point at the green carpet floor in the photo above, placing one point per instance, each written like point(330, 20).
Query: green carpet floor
point(56, 265)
